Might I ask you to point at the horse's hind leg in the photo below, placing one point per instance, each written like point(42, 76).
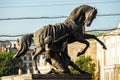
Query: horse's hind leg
point(23, 49)
point(34, 58)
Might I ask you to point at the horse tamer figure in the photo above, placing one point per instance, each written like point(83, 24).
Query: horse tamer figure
point(73, 28)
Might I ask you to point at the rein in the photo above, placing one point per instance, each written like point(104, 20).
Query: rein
point(68, 35)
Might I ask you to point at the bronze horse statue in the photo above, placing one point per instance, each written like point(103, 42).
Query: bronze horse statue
point(73, 27)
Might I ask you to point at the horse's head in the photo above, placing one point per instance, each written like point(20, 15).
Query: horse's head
point(83, 15)
point(89, 16)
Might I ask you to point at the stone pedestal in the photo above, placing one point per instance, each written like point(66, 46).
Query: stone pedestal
point(17, 77)
point(47, 77)
point(61, 77)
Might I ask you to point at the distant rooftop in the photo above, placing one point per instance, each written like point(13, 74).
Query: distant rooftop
point(104, 32)
point(118, 25)
point(96, 33)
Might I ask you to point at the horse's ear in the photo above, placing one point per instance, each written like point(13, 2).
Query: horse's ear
point(94, 10)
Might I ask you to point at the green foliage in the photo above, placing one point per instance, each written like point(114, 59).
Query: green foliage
point(8, 65)
point(86, 64)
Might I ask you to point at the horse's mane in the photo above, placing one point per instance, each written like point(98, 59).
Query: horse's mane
point(78, 14)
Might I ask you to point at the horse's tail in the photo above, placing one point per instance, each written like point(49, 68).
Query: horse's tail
point(24, 43)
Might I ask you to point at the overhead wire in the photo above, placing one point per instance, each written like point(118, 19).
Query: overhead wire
point(55, 17)
point(50, 5)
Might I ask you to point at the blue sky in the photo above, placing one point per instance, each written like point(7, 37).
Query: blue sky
point(49, 8)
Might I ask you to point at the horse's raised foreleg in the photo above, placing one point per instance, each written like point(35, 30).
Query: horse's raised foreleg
point(34, 58)
point(89, 36)
point(85, 49)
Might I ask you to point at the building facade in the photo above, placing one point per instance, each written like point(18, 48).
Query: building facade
point(5, 45)
point(109, 60)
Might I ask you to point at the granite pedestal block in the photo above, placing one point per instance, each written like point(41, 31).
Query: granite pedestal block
point(61, 77)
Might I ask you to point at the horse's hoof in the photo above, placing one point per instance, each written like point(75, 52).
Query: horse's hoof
point(104, 47)
point(79, 53)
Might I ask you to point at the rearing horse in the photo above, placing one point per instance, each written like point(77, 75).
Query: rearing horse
point(74, 25)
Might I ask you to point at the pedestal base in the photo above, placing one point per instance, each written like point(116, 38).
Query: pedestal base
point(61, 77)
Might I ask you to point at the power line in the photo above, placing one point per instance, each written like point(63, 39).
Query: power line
point(7, 40)
point(68, 3)
point(109, 14)
point(48, 5)
point(11, 35)
point(102, 29)
point(22, 18)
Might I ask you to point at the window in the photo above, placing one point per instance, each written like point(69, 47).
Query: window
point(25, 58)
point(30, 58)
point(30, 65)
